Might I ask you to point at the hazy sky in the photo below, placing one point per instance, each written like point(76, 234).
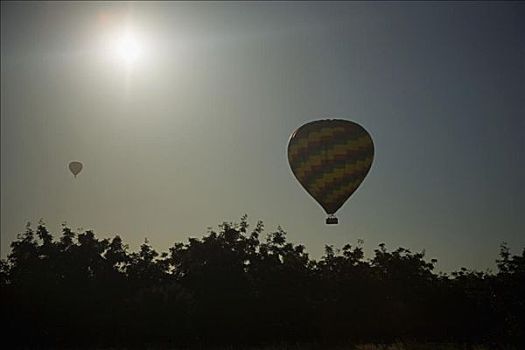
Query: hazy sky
point(194, 131)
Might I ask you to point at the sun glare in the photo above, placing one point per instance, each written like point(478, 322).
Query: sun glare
point(123, 47)
point(127, 48)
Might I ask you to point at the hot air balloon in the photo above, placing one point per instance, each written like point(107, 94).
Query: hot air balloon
point(330, 158)
point(75, 167)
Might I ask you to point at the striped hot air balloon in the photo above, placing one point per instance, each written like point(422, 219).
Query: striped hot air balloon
point(330, 158)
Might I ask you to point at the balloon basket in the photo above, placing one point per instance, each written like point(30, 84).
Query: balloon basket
point(331, 220)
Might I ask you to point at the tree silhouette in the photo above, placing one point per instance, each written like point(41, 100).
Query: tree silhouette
point(231, 287)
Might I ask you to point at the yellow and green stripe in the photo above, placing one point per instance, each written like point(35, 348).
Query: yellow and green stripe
point(330, 158)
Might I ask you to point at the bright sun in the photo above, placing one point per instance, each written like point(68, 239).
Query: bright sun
point(127, 48)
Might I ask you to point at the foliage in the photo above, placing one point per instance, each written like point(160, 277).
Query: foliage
point(231, 287)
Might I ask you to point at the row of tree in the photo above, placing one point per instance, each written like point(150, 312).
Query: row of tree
point(232, 287)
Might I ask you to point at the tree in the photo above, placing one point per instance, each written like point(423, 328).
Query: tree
point(233, 286)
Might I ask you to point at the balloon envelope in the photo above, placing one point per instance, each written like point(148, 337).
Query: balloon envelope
point(75, 168)
point(330, 158)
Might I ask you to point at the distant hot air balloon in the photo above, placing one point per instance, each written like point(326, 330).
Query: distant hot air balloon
point(75, 167)
point(330, 158)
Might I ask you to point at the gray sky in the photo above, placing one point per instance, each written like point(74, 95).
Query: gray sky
point(194, 131)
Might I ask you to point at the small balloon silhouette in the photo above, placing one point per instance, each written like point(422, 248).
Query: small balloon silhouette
point(330, 159)
point(75, 167)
